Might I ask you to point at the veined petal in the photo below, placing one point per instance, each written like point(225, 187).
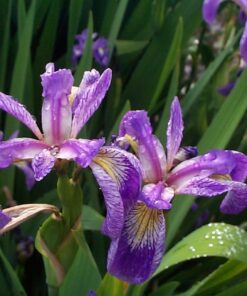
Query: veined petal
point(203, 187)
point(236, 200)
point(4, 219)
point(91, 92)
point(19, 149)
point(56, 109)
point(8, 104)
point(114, 220)
point(42, 164)
point(81, 151)
point(174, 132)
point(26, 168)
point(209, 10)
point(243, 44)
point(157, 196)
point(136, 254)
point(150, 151)
point(239, 172)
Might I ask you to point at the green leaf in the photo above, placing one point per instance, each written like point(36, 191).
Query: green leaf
point(91, 219)
point(214, 239)
point(129, 46)
point(111, 286)
point(239, 289)
point(166, 289)
point(14, 286)
point(86, 60)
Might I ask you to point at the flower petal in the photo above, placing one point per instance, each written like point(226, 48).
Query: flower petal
point(209, 10)
point(101, 51)
point(150, 151)
point(81, 151)
point(136, 254)
point(19, 149)
point(4, 219)
point(239, 172)
point(203, 187)
point(8, 104)
point(56, 109)
point(157, 196)
point(174, 132)
point(243, 44)
point(42, 164)
point(236, 200)
point(91, 92)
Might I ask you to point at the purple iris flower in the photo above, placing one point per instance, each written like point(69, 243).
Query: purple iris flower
point(4, 219)
point(137, 224)
point(101, 51)
point(209, 12)
point(61, 121)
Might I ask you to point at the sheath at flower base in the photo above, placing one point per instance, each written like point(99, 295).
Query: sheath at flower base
point(209, 11)
point(137, 244)
point(61, 121)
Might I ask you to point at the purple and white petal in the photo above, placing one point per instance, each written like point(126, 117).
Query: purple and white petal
point(19, 149)
point(174, 132)
point(236, 200)
point(81, 151)
point(26, 168)
point(9, 105)
point(203, 187)
point(114, 220)
point(243, 44)
point(4, 219)
point(239, 172)
point(124, 169)
point(136, 254)
point(42, 164)
point(92, 91)
point(209, 10)
point(150, 151)
point(56, 109)
point(157, 196)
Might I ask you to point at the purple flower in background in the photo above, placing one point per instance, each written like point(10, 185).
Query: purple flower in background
point(136, 222)
point(61, 121)
point(209, 12)
point(4, 219)
point(101, 52)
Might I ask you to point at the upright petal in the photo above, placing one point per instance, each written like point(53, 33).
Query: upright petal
point(174, 132)
point(42, 164)
point(81, 151)
point(150, 151)
point(8, 104)
point(119, 178)
point(236, 200)
point(209, 10)
point(91, 92)
point(243, 44)
point(56, 109)
point(19, 149)
point(136, 254)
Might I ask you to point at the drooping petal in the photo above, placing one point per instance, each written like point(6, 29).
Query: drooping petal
point(9, 105)
point(236, 200)
point(26, 168)
point(91, 92)
point(203, 187)
point(19, 149)
point(119, 178)
point(157, 196)
point(81, 151)
point(42, 164)
point(56, 109)
point(239, 172)
point(4, 219)
point(174, 132)
point(209, 10)
point(136, 254)
point(243, 44)
point(150, 151)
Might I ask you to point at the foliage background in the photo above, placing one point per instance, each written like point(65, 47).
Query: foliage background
point(159, 49)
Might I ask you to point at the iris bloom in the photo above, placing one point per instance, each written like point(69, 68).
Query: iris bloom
point(138, 238)
point(61, 121)
point(101, 52)
point(210, 8)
